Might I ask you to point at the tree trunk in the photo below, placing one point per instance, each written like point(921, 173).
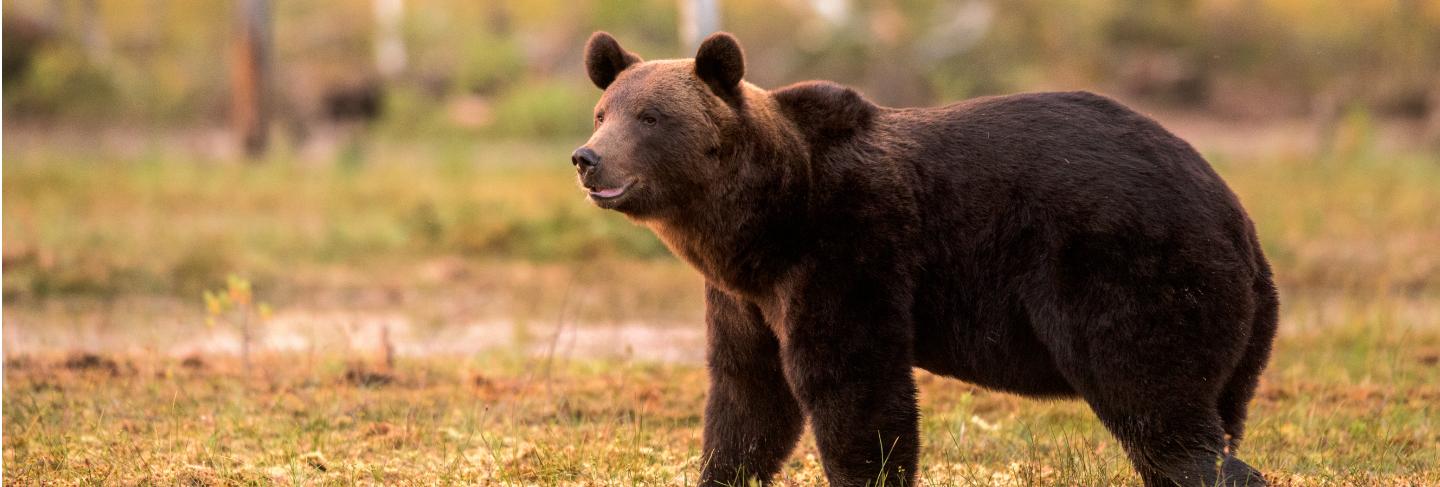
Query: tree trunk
point(698, 18)
point(250, 75)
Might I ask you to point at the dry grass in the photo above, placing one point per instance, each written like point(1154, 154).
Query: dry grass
point(1355, 406)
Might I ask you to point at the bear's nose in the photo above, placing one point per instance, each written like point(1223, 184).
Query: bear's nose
point(585, 158)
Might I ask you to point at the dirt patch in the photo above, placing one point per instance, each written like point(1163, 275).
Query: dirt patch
point(87, 361)
point(1429, 356)
point(193, 362)
point(22, 362)
point(359, 376)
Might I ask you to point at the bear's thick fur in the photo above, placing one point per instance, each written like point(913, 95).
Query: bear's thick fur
point(1049, 244)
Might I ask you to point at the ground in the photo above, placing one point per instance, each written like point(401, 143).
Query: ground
point(540, 341)
point(1352, 406)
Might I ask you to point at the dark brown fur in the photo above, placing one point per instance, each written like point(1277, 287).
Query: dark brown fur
point(1052, 245)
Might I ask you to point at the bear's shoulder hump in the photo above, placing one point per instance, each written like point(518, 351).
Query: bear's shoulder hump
point(823, 107)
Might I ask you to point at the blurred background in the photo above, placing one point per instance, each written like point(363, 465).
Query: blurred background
point(392, 175)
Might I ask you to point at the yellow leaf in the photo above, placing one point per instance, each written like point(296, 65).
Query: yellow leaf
point(213, 304)
point(239, 290)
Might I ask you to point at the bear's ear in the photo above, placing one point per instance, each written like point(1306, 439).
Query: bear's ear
point(721, 64)
point(605, 59)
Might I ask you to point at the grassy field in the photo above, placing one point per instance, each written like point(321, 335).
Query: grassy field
point(157, 220)
point(107, 252)
point(1350, 406)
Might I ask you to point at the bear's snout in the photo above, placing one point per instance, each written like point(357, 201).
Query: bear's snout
point(604, 186)
point(584, 159)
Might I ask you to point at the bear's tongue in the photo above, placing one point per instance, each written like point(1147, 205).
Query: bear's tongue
point(610, 192)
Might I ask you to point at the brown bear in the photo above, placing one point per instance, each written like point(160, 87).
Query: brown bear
point(1050, 245)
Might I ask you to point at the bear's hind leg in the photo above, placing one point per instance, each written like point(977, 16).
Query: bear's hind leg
point(1152, 349)
point(1172, 445)
point(1240, 388)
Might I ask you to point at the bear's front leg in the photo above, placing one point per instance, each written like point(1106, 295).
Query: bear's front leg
point(751, 419)
point(847, 354)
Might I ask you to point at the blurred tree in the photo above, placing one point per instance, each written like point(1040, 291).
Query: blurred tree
point(1157, 51)
point(97, 44)
point(251, 75)
point(410, 64)
point(390, 57)
point(698, 18)
point(23, 36)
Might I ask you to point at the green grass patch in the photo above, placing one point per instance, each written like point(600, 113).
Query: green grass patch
point(89, 224)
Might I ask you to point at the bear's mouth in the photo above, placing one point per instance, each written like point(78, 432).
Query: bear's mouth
point(609, 194)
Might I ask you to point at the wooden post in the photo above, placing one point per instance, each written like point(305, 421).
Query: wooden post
point(250, 75)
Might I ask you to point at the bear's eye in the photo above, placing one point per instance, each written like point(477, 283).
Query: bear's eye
point(599, 118)
point(648, 120)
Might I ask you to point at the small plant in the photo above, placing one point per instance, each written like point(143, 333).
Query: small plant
point(235, 306)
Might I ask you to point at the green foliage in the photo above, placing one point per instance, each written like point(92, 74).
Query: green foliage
point(62, 83)
point(544, 109)
point(167, 60)
point(489, 65)
point(199, 265)
point(648, 24)
point(236, 297)
point(84, 223)
point(166, 222)
point(409, 111)
point(235, 306)
point(1353, 137)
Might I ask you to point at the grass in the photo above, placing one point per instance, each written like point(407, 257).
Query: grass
point(162, 221)
point(107, 250)
point(101, 225)
point(1350, 406)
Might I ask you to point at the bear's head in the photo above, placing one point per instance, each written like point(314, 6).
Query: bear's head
point(713, 164)
point(667, 133)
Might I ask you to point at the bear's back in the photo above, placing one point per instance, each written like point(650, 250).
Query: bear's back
point(1075, 158)
point(1006, 186)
